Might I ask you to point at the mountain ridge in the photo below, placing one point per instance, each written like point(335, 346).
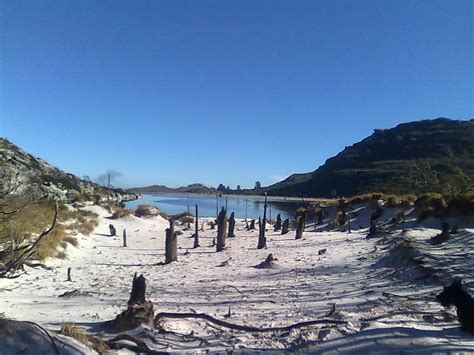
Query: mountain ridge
point(440, 150)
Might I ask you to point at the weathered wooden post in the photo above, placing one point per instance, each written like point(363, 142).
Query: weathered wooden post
point(171, 244)
point(187, 199)
point(69, 278)
point(262, 240)
point(124, 236)
point(277, 226)
point(300, 226)
point(231, 233)
point(113, 231)
point(196, 230)
point(349, 222)
point(285, 227)
point(246, 223)
point(221, 230)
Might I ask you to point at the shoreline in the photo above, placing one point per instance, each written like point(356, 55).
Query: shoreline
point(250, 197)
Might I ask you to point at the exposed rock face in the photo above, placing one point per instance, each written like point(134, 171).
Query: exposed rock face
point(39, 179)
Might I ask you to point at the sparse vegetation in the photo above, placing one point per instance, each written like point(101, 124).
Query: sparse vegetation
point(34, 217)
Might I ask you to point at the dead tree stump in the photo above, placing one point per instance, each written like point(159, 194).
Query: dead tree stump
point(196, 232)
point(277, 226)
point(231, 233)
point(113, 231)
point(285, 227)
point(300, 226)
point(139, 310)
point(320, 217)
point(69, 274)
point(373, 221)
point(124, 236)
point(171, 247)
point(221, 230)
point(137, 294)
point(252, 225)
point(443, 237)
point(262, 240)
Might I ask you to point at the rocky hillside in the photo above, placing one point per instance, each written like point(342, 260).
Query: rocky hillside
point(32, 175)
point(429, 155)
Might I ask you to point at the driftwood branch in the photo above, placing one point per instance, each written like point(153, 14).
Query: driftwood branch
point(244, 328)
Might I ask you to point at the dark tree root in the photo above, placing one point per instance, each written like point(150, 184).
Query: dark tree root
point(244, 328)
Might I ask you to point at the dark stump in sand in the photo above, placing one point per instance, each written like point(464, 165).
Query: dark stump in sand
point(113, 231)
point(285, 227)
point(139, 310)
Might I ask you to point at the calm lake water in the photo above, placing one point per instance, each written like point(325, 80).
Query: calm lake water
point(176, 203)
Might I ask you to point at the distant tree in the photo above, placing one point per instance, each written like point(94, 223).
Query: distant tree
point(333, 193)
point(258, 185)
point(238, 188)
point(227, 188)
point(221, 188)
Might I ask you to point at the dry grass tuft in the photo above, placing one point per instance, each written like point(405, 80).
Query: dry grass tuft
point(71, 330)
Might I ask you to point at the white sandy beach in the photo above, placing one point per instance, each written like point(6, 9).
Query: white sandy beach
point(387, 300)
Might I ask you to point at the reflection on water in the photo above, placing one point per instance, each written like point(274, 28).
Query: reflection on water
point(242, 206)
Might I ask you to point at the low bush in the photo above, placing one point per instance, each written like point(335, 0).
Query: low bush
point(121, 213)
point(149, 211)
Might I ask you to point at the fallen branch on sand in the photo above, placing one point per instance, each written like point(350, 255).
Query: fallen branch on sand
point(43, 266)
point(402, 313)
point(139, 347)
point(245, 328)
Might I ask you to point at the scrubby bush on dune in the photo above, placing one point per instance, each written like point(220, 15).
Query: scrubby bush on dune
point(149, 211)
point(339, 220)
point(300, 212)
point(438, 205)
point(404, 201)
point(391, 201)
point(188, 218)
point(462, 203)
point(31, 220)
point(121, 213)
point(430, 204)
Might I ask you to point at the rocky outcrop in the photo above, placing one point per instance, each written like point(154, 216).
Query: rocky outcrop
point(37, 178)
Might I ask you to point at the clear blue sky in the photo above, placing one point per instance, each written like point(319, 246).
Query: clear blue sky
point(176, 92)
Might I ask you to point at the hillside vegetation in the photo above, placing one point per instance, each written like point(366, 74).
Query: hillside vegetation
point(416, 157)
